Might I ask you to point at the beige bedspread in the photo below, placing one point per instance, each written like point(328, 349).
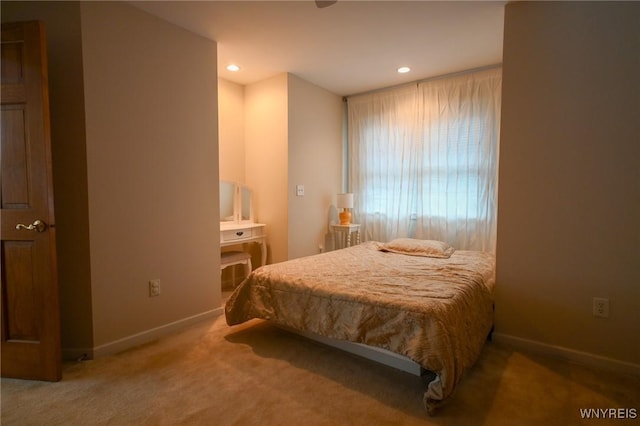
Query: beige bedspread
point(437, 312)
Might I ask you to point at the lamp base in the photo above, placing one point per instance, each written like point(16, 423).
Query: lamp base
point(345, 217)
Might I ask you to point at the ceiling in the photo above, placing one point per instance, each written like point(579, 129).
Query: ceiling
point(350, 47)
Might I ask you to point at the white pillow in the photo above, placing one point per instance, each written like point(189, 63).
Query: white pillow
point(414, 247)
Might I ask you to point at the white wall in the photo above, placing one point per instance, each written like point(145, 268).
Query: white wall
point(315, 161)
point(569, 193)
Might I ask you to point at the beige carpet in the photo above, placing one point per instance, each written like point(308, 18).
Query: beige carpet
point(256, 374)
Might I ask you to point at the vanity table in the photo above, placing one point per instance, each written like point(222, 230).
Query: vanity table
point(232, 234)
point(237, 222)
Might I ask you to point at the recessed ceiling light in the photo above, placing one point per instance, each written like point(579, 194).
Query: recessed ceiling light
point(233, 68)
point(404, 70)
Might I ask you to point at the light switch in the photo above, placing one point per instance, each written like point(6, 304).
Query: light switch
point(300, 190)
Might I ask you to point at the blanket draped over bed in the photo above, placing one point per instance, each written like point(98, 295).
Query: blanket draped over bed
point(437, 312)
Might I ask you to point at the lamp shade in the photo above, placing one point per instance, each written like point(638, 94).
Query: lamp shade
point(345, 201)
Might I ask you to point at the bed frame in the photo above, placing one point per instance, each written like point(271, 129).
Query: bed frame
point(372, 353)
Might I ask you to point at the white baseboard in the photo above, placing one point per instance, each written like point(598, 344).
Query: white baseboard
point(139, 338)
point(579, 357)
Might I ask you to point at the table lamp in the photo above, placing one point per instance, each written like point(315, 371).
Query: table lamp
point(345, 201)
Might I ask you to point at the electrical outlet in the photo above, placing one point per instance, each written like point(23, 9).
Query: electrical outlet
point(154, 288)
point(300, 190)
point(600, 307)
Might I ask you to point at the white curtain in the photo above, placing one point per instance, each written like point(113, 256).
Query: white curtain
point(423, 160)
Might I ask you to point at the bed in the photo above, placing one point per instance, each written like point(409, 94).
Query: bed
point(420, 299)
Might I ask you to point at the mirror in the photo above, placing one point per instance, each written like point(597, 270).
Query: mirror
point(236, 203)
point(246, 207)
point(227, 190)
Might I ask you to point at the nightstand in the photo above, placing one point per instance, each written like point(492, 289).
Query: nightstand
point(344, 235)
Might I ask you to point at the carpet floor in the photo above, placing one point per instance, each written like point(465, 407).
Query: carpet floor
point(257, 374)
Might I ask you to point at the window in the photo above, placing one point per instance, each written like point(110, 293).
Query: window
point(423, 160)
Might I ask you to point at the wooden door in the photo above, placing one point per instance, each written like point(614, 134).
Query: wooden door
point(29, 297)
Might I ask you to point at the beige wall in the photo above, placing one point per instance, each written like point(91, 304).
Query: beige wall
point(315, 161)
point(231, 131)
point(266, 165)
point(292, 135)
point(152, 155)
point(232, 158)
point(134, 135)
point(569, 196)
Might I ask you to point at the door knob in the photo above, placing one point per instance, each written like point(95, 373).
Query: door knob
point(37, 225)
